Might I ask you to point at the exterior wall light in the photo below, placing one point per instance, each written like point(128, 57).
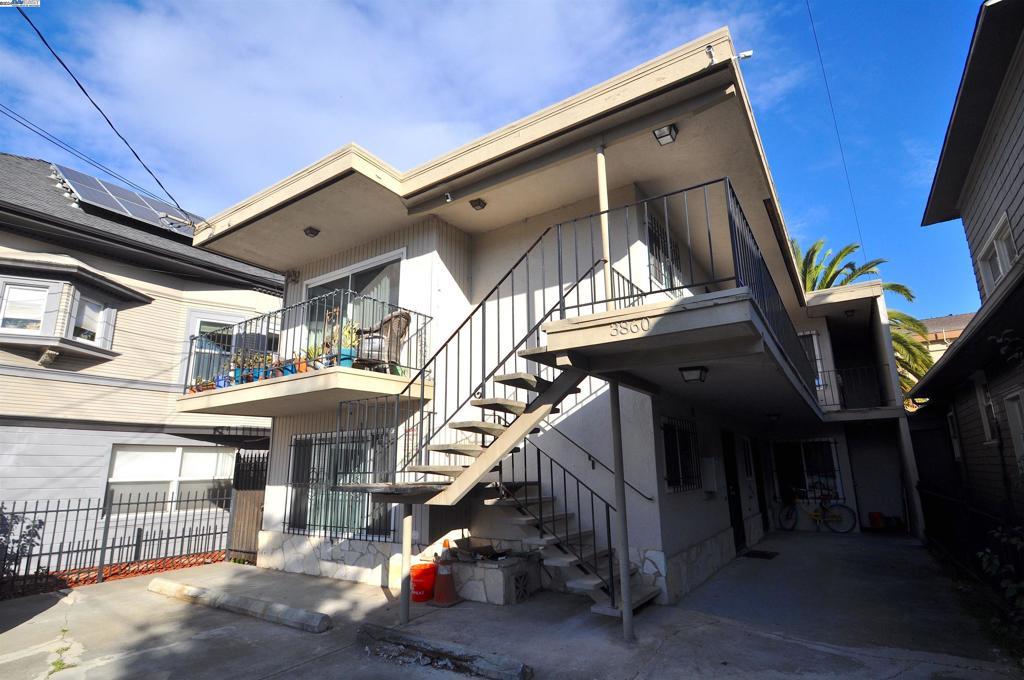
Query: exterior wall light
point(666, 135)
point(311, 231)
point(478, 203)
point(694, 373)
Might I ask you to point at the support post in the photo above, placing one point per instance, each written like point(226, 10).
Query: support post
point(406, 596)
point(602, 205)
point(621, 530)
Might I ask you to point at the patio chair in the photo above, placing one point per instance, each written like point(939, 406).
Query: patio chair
point(380, 346)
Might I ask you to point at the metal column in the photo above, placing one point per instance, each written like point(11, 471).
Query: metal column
point(621, 535)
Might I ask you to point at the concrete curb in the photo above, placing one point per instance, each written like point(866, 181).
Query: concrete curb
point(303, 619)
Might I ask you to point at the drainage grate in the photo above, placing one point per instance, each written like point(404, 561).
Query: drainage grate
point(761, 554)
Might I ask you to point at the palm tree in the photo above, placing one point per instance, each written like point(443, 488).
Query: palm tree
point(820, 270)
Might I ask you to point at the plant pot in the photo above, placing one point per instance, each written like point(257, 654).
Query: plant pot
point(192, 389)
point(346, 356)
point(238, 375)
point(222, 381)
point(300, 366)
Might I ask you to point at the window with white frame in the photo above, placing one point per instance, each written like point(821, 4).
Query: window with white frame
point(809, 340)
point(91, 320)
point(23, 308)
point(986, 408)
point(954, 435)
point(747, 453)
point(998, 255)
point(1015, 418)
point(162, 472)
point(682, 455)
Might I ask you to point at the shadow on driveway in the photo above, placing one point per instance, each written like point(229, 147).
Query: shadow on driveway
point(838, 606)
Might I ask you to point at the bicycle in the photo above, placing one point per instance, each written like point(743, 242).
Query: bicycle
point(836, 516)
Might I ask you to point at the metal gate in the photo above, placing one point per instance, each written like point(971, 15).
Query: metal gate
point(250, 483)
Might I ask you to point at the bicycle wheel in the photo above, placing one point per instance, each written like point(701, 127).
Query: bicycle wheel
point(840, 518)
point(788, 517)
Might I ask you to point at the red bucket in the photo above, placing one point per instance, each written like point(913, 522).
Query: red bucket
point(423, 577)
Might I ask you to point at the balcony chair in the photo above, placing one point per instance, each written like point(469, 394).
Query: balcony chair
point(380, 346)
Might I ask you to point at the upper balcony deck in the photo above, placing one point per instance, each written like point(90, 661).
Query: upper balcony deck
point(306, 357)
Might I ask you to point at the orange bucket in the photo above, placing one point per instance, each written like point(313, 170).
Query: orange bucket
point(423, 577)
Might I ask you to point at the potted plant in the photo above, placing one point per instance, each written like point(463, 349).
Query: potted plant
point(349, 342)
point(222, 381)
point(314, 356)
point(299, 361)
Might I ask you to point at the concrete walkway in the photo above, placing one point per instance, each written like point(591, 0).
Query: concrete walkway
point(827, 606)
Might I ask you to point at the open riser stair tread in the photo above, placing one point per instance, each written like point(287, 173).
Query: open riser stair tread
point(513, 502)
point(479, 427)
point(511, 406)
point(530, 520)
point(641, 595)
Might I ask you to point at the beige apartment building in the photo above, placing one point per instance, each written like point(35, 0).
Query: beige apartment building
point(99, 296)
point(581, 337)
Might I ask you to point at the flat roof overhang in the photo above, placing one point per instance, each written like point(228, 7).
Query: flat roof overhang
point(533, 166)
point(996, 35)
point(311, 392)
point(644, 346)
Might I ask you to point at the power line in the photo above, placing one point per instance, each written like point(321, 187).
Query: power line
point(81, 155)
point(97, 107)
point(835, 124)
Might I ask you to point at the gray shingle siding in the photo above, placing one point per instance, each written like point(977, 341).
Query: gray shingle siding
point(996, 181)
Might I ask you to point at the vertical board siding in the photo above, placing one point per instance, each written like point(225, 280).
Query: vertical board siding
point(995, 183)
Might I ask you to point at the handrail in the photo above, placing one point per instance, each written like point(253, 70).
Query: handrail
point(572, 538)
point(594, 459)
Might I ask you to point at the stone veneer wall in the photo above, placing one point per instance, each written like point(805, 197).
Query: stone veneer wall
point(375, 563)
point(684, 571)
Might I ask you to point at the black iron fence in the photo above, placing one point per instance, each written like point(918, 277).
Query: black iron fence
point(53, 544)
point(857, 387)
point(340, 328)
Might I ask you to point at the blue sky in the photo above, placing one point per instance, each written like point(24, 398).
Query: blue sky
point(224, 98)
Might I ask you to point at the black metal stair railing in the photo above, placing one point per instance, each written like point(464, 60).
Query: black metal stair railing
point(547, 491)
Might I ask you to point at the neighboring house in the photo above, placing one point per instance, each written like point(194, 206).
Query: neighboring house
point(454, 336)
point(943, 331)
point(972, 431)
point(96, 311)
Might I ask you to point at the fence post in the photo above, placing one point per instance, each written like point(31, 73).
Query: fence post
point(107, 507)
point(138, 545)
point(231, 524)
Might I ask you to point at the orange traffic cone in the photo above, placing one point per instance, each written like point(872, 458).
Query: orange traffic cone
point(444, 586)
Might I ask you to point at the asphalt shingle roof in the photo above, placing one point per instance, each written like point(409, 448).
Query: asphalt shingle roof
point(26, 183)
point(951, 322)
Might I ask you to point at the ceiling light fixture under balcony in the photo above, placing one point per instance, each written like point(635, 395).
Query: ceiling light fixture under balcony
point(667, 134)
point(311, 232)
point(694, 373)
point(478, 203)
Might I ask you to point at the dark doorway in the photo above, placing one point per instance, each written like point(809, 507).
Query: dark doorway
point(762, 500)
point(732, 486)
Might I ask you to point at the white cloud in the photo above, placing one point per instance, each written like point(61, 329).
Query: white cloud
point(225, 98)
point(921, 161)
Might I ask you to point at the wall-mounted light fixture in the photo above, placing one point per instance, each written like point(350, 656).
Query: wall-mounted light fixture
point(478, 203)
point(448, 197)
point(694, 373)
point(667, 134)
point(311, 231)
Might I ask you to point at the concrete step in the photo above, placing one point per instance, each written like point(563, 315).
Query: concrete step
point(503, 405)
point(548, 539)
point(641, 595)
point(449, 470)
point(516, 502)
point(553, 557)
point(478, 427)
point(530, 520)
point(523, 381)
point(472, 450)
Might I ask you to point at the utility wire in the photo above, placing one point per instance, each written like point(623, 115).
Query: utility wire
point(835, 124)
point(97, 107)
point(81, 155)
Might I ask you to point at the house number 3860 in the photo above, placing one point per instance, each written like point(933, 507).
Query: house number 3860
point(630, 327)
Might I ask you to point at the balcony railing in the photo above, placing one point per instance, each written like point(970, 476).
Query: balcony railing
point(858, 387)
point(340, 328)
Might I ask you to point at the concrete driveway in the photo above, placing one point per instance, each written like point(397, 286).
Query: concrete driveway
point(827, 606)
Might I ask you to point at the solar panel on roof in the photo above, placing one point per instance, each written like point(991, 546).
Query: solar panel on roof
point(122, 201)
